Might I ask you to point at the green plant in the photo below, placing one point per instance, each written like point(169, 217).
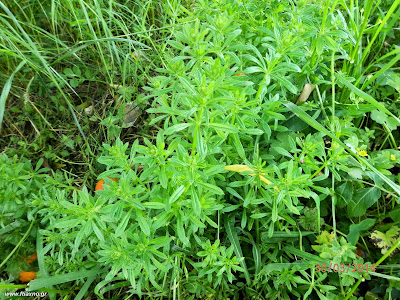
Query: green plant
point(227, 189)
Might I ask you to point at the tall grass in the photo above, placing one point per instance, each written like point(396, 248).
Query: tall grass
point(113, 42)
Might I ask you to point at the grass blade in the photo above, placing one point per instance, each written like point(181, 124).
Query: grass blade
point(59, 279)
point(382, 24)
point(366, 97)
point(6, 90)
point(307, 256)
point(85, 288)
point(390, 64)
point(42, 266)
point(388, 277)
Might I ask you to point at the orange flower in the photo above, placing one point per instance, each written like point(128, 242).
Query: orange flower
point(31, 258)
point(27, 276)
point(240, 74)
point(359, 252)
point(99, 185)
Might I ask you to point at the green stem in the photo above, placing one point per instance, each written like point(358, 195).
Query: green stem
point(18, 245)
point(394, 247)
point(12, 286)
point(258, 231)
point(198, 125)
point(319, 170)
point(321, 102)
point(321, 32)
point(333, 91)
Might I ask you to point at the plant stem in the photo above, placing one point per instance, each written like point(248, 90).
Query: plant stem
point(19, 244)
point(394, 247)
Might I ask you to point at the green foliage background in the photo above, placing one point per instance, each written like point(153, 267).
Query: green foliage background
point(321, 174)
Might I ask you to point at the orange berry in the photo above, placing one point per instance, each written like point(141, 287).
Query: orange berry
point(27, 276)
point(31, 258)
point(99, 185)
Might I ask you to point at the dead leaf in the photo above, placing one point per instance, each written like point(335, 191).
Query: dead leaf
point(305, 93)
point(89, 110)
point(131, 114)
point(243, 168)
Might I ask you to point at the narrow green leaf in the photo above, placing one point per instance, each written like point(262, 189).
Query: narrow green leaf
point(257, 258)
point(181, 231)
point(280, 266)
point(382, 70)
point(258, 216)
point(320, 45)
point(254, 69)
point(287, 84)
point(121, 227)
point(178, 192)
point(224, 127)
point(176, 45)
point(234, 193)
point(97, 232)
point(211, 187)
point(83, 290)
point(388, 277)
point(39, 164)
point(154, 205)
point(238, 146)
point(291, 234)
point(307, 256)
point(118, 285)
point(143, 223)
point(175, 128)
point(59, 279)
point(252, 131)
point(187, 85)
point(200, 146)
point(274, 237)
point(234, 239)
point(10, 227)
point(195, 202)
point(282, 151)
point(67, 223)
point(162, 219)
point(211, 222)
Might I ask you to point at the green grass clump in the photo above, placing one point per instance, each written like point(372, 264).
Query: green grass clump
point(262, 160)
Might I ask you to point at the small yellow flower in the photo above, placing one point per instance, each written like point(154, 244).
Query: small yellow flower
point(363, 153)
point(392, 157)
